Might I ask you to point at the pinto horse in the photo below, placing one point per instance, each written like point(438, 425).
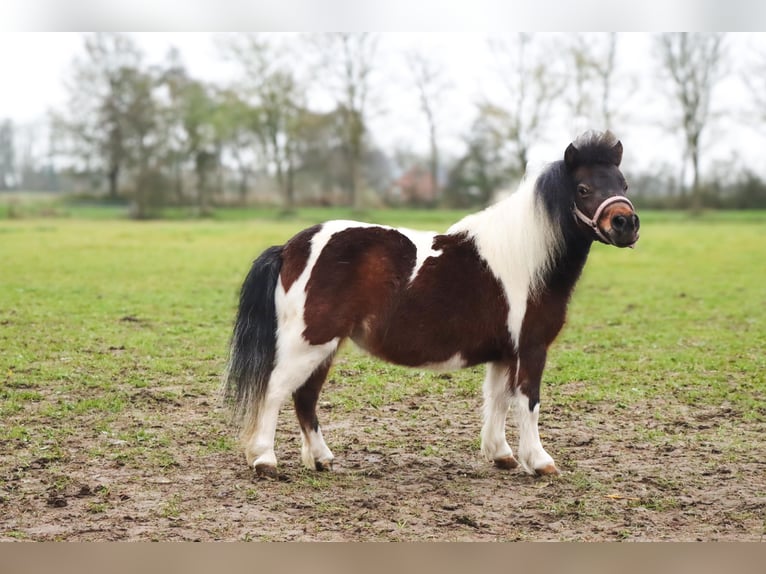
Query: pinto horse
point(493, 289)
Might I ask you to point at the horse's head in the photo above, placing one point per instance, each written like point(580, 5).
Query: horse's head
point(599, 203)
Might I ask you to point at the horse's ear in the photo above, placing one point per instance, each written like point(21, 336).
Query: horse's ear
point(617, 153)
point(570, 156)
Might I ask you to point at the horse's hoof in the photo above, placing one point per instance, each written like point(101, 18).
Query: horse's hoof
point(323, 465)
point(547, 470)
point(264, 470)
point(506, 462)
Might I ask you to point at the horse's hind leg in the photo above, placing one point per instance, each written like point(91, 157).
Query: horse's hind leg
point(314, 452)
point(497, 400)
point(294, 366)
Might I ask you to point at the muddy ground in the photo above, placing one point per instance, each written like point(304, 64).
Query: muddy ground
point(407, 470)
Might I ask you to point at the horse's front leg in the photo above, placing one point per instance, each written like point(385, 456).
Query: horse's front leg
point(532, 456)
point(497, 400)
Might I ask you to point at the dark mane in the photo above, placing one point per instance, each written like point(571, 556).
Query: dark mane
point(553, 188)
point(596, 148)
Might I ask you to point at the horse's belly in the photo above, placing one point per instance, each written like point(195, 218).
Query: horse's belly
point(426, 354)
point(408, 358)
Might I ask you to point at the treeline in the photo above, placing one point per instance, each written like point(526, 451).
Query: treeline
point(155, 135)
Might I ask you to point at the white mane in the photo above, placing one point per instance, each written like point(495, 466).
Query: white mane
point(518, 241)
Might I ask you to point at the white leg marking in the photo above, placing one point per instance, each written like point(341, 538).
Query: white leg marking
point(260, 449)
point(497, 400)
point(287, 377)
point(314, 450)
point(532, 455)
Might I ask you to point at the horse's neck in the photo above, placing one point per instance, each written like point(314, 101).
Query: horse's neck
point(519, 244)
point(567, 267)
point(517, 239)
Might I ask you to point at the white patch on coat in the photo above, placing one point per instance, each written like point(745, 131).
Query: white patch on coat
point(452, 364)
point(518, 241)
point(531, 454)
point(314, 449)
point(423, 241)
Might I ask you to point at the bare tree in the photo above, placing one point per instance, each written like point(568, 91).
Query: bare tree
point(604, 67)
point(198, 108)
point(489, 163)
point(141, 141)
point(593, 59)
point(580, 98)
point(349, 62)
point(692, 61)
point(174, 77)
point(754, 77)
point(95, 119)
point(273, 88)
point(532, 86)
point(429, 81)
point(238, 123)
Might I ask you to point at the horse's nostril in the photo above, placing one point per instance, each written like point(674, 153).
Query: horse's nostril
point(619, 221)
point(636, 222)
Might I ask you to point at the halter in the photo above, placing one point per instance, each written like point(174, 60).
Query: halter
point(593, 222)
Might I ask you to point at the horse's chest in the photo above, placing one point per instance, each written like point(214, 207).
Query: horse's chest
point(543, 319)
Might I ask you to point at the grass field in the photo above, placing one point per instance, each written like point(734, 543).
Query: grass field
point(113, 337)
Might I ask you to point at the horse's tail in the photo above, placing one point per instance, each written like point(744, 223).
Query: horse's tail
point(254, 340)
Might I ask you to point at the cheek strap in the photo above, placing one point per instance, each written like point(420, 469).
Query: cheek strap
point(592, 222)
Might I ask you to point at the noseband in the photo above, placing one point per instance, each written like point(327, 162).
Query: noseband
point(593, 222)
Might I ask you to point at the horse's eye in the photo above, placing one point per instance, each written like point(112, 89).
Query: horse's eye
point(583, 190)
point(625, 186)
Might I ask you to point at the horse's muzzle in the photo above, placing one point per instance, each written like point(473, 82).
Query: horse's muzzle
point(614, 223)
point(623, 229)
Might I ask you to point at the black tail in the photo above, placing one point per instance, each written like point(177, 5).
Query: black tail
point(254, 341)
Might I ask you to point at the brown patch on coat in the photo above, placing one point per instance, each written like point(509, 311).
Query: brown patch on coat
point(357, 270)
point(305, 398)
point(360, 288)
point(295, 255)
point(544, 318)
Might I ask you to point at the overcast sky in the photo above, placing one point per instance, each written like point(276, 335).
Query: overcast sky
point(33, 67)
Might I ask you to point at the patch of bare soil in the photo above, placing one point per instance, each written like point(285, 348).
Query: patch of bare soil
point(406, 471)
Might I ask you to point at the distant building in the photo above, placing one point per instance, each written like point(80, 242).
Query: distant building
point(414, 186)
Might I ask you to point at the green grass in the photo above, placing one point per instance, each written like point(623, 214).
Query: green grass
point(100, 319)
point(682, 316)
point(31, 205)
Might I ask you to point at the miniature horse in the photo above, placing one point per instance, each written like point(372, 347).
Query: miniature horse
point(493, 289)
